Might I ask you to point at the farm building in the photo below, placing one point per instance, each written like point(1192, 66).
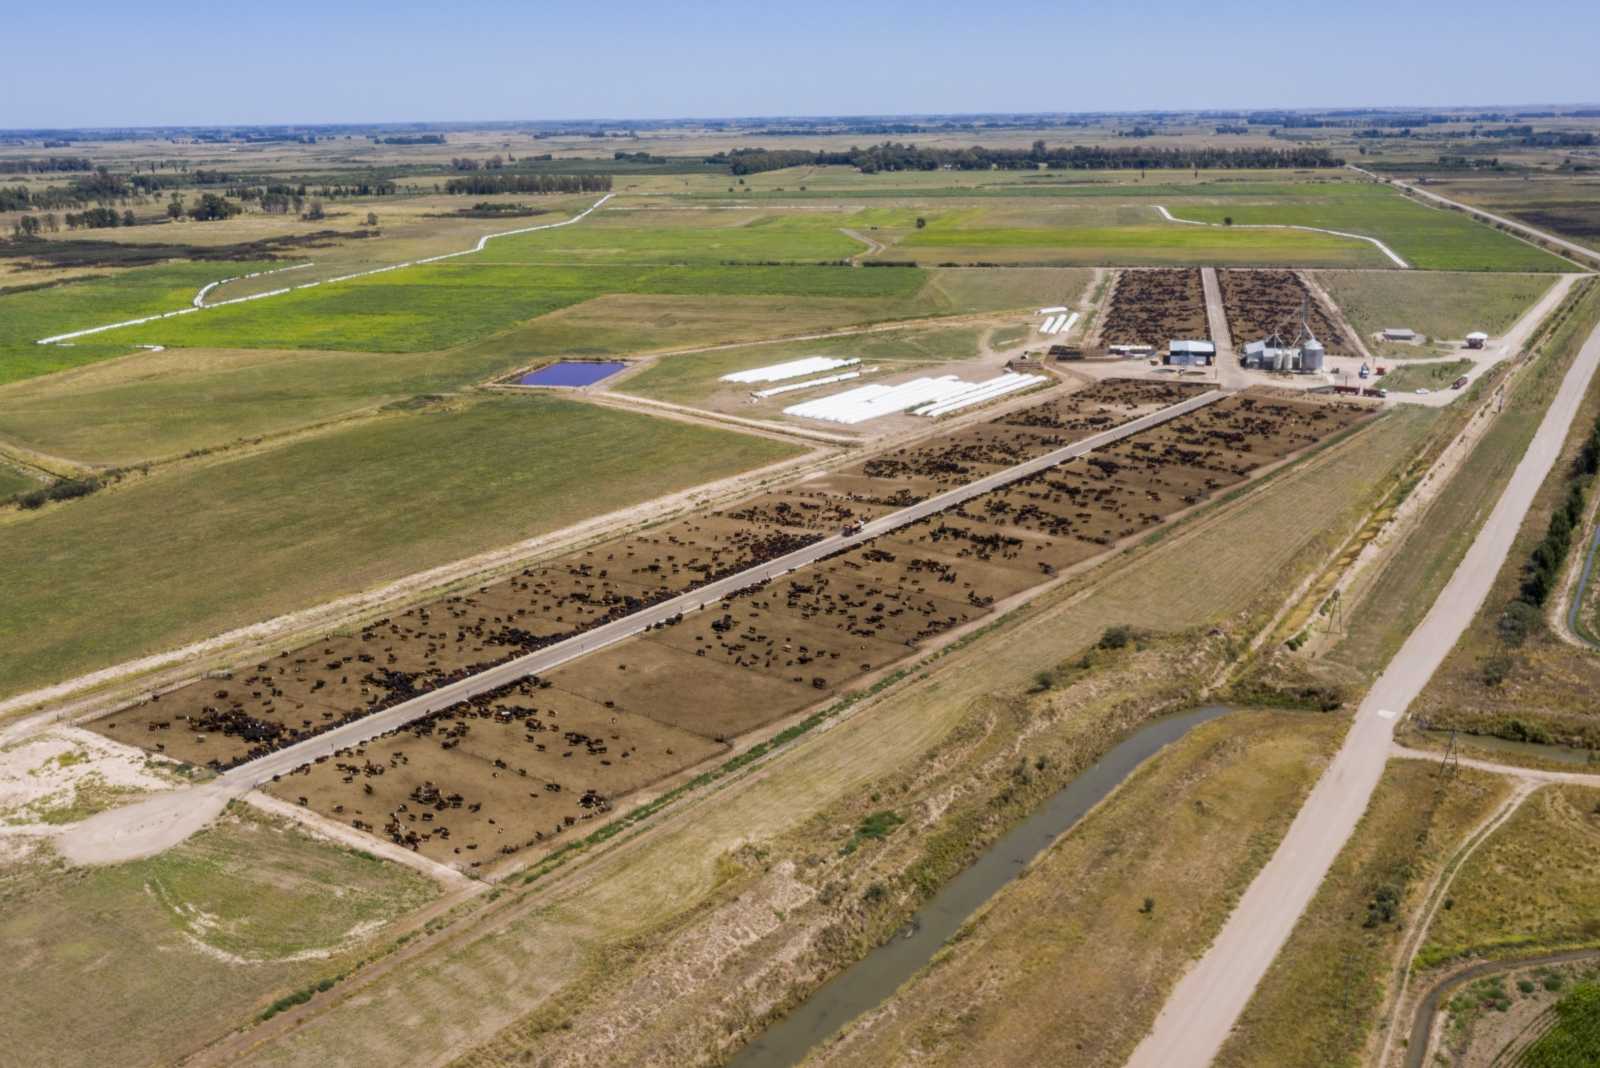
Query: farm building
point(1131, 351)
point(1302, 359)
point(1477, 339)
point(1399, 333)
point(1190, 353)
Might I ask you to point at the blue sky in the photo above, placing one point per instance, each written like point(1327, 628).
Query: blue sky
point(293, 61)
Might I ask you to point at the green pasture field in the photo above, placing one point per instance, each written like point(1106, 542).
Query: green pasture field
point(1428, 238)
point(161, 405)
point(149, 937)
point(691, 377)
point(628, 323)
point(1438, 304)
point(702, 237)
point(13, 482)
point(1567, 205)
point(152, 406)
point(190, 552)
point(806, 183)
point(1436, 376)
point(1148, 243)
point(29, 314)
point(438, 305)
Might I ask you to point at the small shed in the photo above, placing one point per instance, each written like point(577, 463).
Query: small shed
point(1399, 333)
point(1477, 339)
point(1191, 353)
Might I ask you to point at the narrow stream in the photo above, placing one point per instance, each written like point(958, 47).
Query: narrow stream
point(1583, 584)
point(865, 984)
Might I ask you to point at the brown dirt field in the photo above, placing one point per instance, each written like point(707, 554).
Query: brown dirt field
point(494, 776)
point(1152, 307)
point(1261, 303)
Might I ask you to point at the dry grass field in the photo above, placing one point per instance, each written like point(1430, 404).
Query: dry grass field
point(1524, 682)
point(1316, 1004)
point(1186, 833)
point(1532, 886)
point(247, 910)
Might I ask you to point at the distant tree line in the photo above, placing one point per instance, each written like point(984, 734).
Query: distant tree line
point(503, 182)
point(31, 226)
point(893, 156)
point(411, 139)
point(52, 165)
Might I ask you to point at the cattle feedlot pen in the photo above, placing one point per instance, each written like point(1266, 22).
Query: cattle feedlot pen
point(352, 734)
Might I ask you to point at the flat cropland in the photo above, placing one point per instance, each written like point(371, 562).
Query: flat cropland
point(29, 314)
point(1433, 239)
point(1532, 886)
point(1316, 1003)
point(247, 910)
point(94, 581)
point(437, 305)
point(1112, 911)
point(1564, 204)
point(161, 405)
point(1437, 304)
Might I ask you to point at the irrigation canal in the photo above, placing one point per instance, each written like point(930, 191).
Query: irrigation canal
point(880, 973)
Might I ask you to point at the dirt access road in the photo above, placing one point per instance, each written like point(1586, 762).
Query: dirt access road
point(1208, 999)
point(151, 826)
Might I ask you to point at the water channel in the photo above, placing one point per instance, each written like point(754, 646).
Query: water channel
point(865, 984)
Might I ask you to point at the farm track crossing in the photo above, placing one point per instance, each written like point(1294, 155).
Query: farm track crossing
point(151, 826)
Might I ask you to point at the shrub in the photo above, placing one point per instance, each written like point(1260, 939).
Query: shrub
point(1384, 905)
point(1495, 669)
point(1519, 620)
point(1116, 637)
point(64, 489)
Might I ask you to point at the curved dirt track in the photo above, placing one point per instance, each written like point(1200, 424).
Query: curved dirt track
point(1385, 249)
point(198, 304)
point(1422, 1023)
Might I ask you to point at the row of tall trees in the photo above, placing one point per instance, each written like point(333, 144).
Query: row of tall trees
point(49, 165)
point(31, 226)
point(894, 156)
point(503, 182)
